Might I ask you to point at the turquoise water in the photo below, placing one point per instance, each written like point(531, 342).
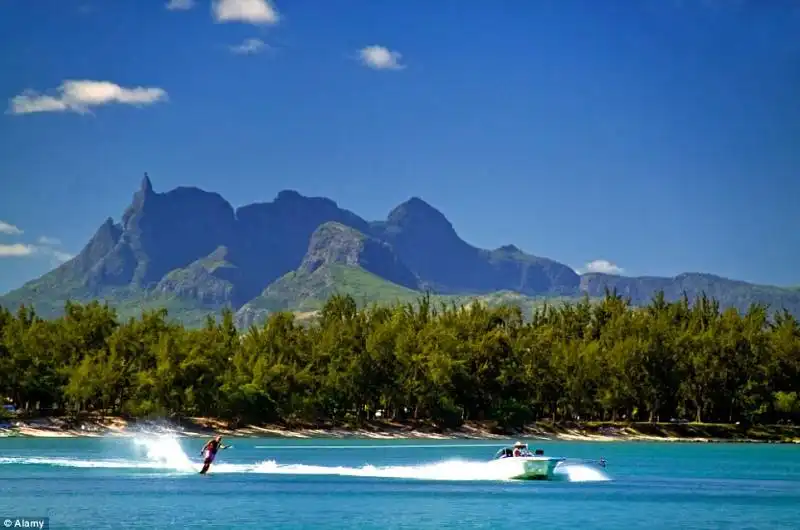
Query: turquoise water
point(267, 483)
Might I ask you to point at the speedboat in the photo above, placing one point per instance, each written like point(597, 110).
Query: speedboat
point(524, 465)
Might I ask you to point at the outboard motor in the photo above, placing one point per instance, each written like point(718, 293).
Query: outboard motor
point(539, 452)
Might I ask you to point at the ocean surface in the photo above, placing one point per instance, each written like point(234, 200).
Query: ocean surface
point(151, 481)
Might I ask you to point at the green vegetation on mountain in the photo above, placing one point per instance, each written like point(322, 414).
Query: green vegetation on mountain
point(301, 291)
point(192, 252)
point(423, 361)
point(307, 291)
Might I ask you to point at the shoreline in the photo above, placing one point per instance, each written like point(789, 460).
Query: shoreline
point(57, 427)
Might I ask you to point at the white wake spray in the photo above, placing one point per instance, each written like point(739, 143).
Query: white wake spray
point(452, 470)
point(581, 473)
point(164, 451)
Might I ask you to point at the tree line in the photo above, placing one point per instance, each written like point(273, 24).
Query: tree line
point(605, 360)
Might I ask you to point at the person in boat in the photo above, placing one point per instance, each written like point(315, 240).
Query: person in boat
point(210, 451)
point(520, 449)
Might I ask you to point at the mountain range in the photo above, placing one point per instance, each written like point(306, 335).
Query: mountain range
point(190, 251)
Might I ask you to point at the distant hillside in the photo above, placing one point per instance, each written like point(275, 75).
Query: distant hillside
point(189, 250)
point(730, 293)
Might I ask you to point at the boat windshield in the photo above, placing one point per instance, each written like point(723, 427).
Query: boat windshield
point(504, 453)
point(509, 452)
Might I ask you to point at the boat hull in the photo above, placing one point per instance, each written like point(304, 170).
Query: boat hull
point(538, 469)
point(530, 468)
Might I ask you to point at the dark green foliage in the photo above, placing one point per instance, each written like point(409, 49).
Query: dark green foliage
point(423, 361)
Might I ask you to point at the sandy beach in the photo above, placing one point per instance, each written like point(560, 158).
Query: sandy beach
point(384, 430)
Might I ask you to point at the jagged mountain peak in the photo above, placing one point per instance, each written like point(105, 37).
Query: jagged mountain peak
point(299, 205)
point(416, 211)
point(289, 195)
point(290, 198)
point(334, 243)
point(511, 249)
point(147, 186)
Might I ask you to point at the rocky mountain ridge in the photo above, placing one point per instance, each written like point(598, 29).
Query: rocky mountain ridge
point(191, 251)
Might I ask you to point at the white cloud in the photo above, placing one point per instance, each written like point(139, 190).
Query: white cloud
point(380, 58)
point(9, 229)
point(248, 47)
point(180, 5)
point(61, 257)
point(46, 246)
point(603, 266)
point(78, 96)
point(249, 11)
point(16, 250)
point(52, 241)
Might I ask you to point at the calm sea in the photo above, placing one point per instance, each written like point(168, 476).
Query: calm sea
point(152, 482)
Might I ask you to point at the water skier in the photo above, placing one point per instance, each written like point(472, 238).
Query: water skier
point(210, 451)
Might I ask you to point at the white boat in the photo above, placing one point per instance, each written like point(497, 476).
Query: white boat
point(524, 465)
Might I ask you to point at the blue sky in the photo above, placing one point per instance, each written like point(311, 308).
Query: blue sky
point(662, 136)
